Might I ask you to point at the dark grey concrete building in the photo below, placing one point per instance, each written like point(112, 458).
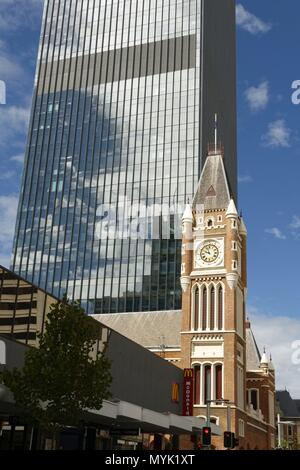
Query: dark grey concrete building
point(122, 114)
point(142, 401)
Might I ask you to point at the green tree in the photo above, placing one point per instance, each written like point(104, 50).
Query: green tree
point(66, 375)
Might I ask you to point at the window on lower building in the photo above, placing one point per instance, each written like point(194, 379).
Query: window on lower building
point(213, 420)
point(220, 309)
point(219, 380)
point(212, 309)
point(241, 428)
point(207, 384)
point(196, 309)
point(254, 398)
point(204, 309)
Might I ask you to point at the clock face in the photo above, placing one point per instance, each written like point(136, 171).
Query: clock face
point(209, 253)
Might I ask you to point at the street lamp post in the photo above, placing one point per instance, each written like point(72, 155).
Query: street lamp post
point(221, 401)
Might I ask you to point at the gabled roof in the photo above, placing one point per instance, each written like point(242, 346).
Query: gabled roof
point(213, 188)
point(287, 405)
point(253, 356)
point(149, 329)
point(297, 403)
point(152, 329)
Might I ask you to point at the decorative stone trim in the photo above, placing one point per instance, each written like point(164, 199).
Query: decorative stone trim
point(185, 282)
point(232, 280)
point(203, 337)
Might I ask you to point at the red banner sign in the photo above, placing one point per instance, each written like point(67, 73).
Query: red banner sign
point(188, 386)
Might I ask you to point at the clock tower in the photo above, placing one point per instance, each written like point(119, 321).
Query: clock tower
point(214, 285)
point(210, 336)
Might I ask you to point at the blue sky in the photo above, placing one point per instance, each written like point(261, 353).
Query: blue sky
point(269, 157)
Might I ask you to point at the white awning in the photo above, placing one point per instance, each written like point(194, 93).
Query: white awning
point(180, 424)
point(109, 410)
point(155, 418)
point(129, 411)
point(124, 414)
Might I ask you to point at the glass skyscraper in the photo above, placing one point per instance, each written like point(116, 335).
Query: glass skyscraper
point(123, 111)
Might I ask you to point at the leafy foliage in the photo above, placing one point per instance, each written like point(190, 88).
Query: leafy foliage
point(66, 375)
point(289, 444)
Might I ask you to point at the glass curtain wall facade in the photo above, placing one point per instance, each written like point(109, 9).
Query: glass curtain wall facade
point(118, 120)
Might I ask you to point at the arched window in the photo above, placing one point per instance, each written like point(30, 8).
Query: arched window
point(207, 383)
point(197, 384)
point(219, 382)
point(196, 309)
point(204, 309)
point(220, 308)
point(212, 308)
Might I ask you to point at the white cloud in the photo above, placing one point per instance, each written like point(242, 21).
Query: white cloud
point(249, 22)
point(295, 224)
point(5, 259)
point(278, 335)
point(6, 175)
point(276, 232)
point(2, 45)
point(17, 13)
point(13, 123)
point(10, 69)
point(245, 179)
point(18, 158)
point(258, 97)
point(278, 135)
point(8, 211)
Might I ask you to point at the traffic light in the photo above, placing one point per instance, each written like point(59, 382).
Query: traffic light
point(228, 439)
point(236, 442)
point(206, 436)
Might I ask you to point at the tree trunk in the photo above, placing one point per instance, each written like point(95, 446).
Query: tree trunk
point(56, 439)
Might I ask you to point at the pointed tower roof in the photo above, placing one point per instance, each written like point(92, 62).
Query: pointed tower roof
point(253, 357)
point(213, 188)
point(188, 214)
point(271, 365)
point(243, 229)
point(231, 211)
point(264, 360)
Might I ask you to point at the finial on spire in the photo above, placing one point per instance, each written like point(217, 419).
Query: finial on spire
point(271, 365)
point(215, 148)
point(264, 363)
point(216, 132)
